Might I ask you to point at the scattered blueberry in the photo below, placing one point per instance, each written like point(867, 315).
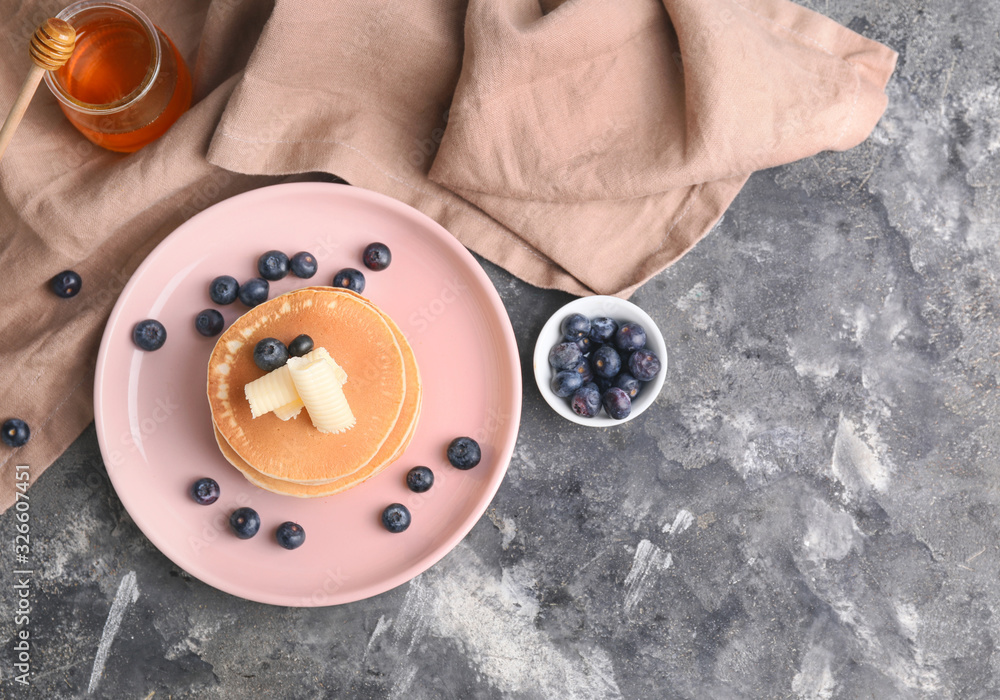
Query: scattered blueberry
point(586, 401)
point(419, 479)
point(617, 403)
point(300, 346)
point(586, 345)
point(66, 284)
point(644, 364)
point(629, 384)
point(254, 291)
point(565, 356)
point(205, 491)
point(575, 326)
point(270, 354)
point(464, 453)
point(209, 322)
point(630, 336)
point(149, 334)
point(377, 256)
point(273, 265)
point(304, 265)
point(15, 432)
point(349, 278)
point(606, 362)
point(224, 289)
point(602, 330)
point(290, 535)
point(396, 517)
point(245, 522)
point(566, 382)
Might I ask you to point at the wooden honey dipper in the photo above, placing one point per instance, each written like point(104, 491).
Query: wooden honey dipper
point(50, 47)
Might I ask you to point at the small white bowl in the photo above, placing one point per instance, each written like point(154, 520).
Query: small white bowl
point(596, 307)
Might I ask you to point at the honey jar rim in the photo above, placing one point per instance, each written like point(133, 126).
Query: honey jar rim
point(142, 89)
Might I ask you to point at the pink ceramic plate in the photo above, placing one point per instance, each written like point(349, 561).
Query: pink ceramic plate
point(155, 429)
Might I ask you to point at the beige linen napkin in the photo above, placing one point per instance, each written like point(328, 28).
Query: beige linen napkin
point(584, 149)
point(582, 145)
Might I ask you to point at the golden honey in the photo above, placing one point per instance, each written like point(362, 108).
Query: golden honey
point(125, 83)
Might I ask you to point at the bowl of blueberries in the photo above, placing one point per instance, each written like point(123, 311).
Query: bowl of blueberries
point(600, 361)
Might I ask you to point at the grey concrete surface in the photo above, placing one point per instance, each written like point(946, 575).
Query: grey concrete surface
point(809, 511)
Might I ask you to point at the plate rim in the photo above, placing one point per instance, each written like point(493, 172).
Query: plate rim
point(508, 436)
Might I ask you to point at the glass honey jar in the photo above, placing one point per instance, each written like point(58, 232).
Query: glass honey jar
point(125, 83)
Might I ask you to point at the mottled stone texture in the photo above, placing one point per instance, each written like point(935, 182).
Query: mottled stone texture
point(809, 511)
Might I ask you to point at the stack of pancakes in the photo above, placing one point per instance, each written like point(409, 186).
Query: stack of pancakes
point(383, 390)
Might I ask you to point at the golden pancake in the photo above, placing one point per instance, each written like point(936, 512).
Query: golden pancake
point(402, 433)
point(390, 451)
point(289, 488)
point(408, 416)
point(358, 338)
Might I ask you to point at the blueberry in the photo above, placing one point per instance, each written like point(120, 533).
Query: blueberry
point(617, 403)
point(566, 382)
point(396, 517)
point(377, 256)
point(349, 278)
point(586, 345)
point(272, 265)
point(586, 401)
point(585, 371)
point(564, 356)
point(644, 364)
point(603, 384)
point(575, 326)
point(205, 491)
point(254, 291)
point(66, 284)
point(15, 432)
point(270, 354)
point(602, 330)
point(464, 453)
point(629, 384)
point(224, 289)
point(290, 535)
point(631, 336)
point(304, 265)
point(606, 362)
point(149, 334)
point(209, 322)
point(245, 522)
point(300, 346)
point(419, 479)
